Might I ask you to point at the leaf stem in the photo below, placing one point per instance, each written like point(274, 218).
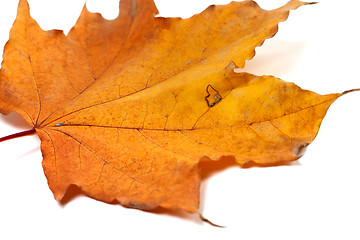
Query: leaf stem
point(349, 91)
point(209, 222)
point(19, 134)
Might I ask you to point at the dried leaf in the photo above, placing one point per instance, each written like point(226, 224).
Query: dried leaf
point(128, 109)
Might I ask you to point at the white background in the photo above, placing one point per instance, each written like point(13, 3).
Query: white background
point(314, 198)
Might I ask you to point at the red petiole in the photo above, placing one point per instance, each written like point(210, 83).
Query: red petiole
point(19, 134)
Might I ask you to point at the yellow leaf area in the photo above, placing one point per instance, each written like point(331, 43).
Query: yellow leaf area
point(128, 109)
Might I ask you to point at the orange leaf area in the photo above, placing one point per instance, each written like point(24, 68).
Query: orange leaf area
point(128, 110)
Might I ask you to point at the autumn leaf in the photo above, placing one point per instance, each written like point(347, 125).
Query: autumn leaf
point(128, 109)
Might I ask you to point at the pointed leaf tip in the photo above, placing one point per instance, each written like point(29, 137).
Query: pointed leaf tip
point(294, 4)
point(23, 6)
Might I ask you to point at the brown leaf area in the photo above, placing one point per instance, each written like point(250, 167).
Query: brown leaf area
point(128, 110)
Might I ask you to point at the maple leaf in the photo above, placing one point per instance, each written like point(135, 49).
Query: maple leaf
point(128, 109)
